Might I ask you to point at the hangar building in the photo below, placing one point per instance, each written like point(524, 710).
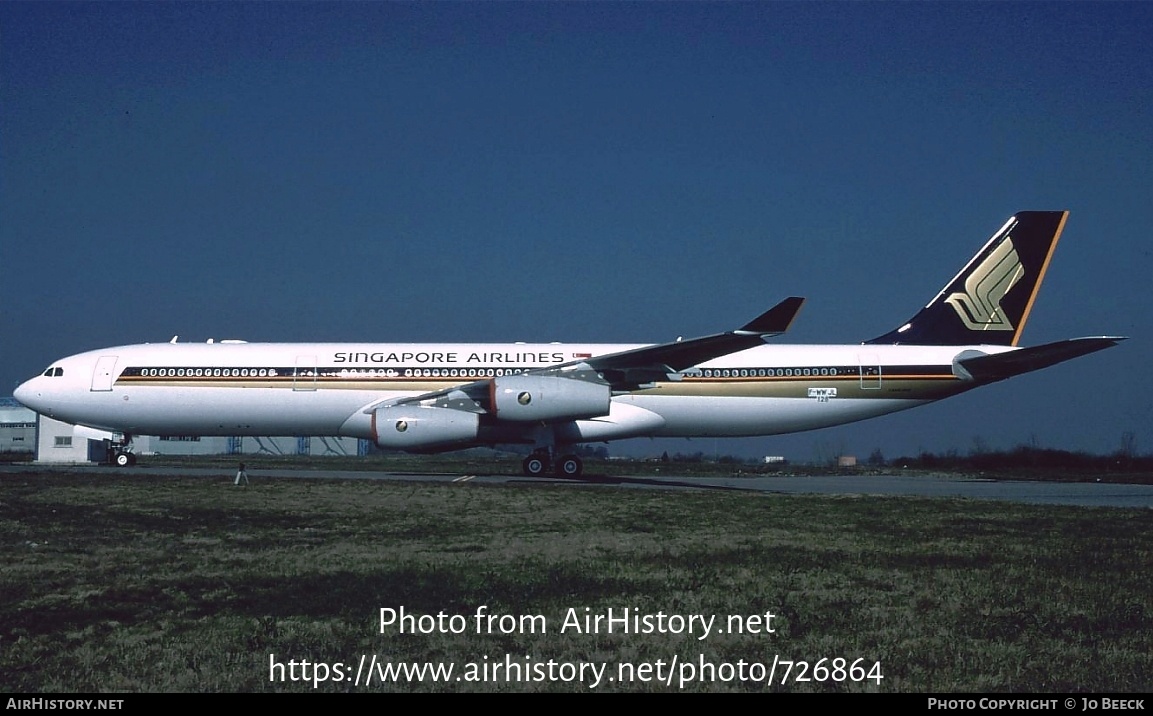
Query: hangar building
point(23, 430)
point(17, 427)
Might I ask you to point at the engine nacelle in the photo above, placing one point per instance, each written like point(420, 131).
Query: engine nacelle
point(419, 427)
point(527, 398)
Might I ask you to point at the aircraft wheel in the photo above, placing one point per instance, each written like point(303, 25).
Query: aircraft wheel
point(569, 466)
point(535, 465)
point(123, 459)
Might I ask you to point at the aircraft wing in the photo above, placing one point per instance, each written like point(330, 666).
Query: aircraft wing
point(628, 369)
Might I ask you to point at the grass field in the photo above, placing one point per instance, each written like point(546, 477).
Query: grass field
point(129, 583)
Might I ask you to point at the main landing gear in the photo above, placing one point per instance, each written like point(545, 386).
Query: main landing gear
point(538, 464)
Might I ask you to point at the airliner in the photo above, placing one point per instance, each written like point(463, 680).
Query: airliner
point(449, 396)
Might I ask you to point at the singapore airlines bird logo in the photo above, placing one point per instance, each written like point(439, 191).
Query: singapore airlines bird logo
point(979, 306)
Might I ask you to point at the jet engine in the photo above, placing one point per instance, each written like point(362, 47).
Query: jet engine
point(420, 427)
point(529, 398)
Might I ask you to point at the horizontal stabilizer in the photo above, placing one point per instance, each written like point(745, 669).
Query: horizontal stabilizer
point(989, 368)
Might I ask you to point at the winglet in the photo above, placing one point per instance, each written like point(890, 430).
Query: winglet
point(776, 320)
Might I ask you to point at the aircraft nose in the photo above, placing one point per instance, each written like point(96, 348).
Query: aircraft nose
point(27, 394)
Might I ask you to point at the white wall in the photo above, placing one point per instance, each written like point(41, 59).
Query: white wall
point(57, 442)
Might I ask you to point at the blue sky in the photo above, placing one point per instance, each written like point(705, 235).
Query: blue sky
point(581, 172)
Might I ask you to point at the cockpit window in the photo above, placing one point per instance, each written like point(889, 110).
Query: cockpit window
point(54, 372)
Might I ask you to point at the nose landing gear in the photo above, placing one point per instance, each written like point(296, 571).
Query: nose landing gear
point(120, 453)
point(123, 459)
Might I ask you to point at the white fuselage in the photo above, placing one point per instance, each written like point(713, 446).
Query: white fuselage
point(324, 389)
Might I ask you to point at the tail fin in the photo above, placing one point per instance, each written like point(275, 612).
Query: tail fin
point(989, 301)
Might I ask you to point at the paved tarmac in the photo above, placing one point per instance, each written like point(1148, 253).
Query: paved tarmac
point(1082, 494)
